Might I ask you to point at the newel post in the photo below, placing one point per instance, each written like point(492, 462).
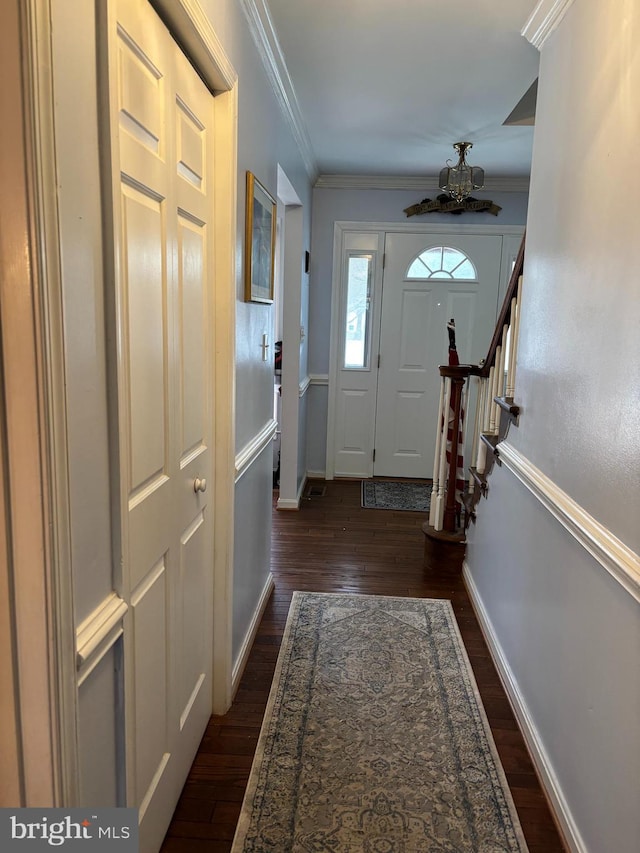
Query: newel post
point(458, 375)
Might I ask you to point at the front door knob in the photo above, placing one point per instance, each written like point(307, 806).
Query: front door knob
point(199, 485)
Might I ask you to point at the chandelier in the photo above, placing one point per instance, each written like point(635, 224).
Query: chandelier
point(460, 180)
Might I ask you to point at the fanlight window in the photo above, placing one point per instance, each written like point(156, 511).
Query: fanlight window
point(442, 262)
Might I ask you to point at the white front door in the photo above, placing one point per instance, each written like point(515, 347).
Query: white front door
point(427, 281)
point(161, 120)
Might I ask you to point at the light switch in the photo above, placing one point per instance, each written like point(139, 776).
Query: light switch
point(264, 345)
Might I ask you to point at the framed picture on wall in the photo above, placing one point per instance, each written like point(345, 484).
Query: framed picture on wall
point(260, 242)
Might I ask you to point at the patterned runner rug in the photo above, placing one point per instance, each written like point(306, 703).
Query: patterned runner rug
point(400, 494)
point(374, 738)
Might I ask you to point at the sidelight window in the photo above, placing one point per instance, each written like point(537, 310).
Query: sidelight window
point(357, 316)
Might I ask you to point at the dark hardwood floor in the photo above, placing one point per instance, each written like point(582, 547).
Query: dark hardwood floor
point(334, 545)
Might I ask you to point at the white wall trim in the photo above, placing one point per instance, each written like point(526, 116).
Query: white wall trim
point(96, 635)
point(252, 450)
point(315, 475)
point(225, 237)
point(188, 23)
point(266, 40)
point(544, 19)
point(304, 385)
point(621, 562)
point(319, 378)
point(93, 630)
point(287, 503)
point(252, 630)
point(424, 228)
point(535, 745)
point(420, 183)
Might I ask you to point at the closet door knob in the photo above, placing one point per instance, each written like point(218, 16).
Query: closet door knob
point(199, 485)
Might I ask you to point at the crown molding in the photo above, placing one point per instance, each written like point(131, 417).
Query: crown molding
point(266, 40)
point(544, 19)
point(421, 184)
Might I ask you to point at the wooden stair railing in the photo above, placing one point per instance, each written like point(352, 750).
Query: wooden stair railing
point(495, 411)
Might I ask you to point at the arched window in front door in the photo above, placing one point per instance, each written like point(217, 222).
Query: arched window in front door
point(442, 262)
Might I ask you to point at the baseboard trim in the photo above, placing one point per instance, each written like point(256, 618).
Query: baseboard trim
point(251, 451)
point(620, 561)
point(247, 644)
point(289, 503)
point(557, 802)
point(316, 475)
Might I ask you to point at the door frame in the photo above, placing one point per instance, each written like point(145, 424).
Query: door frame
point(39, 557)
point(341, 227)
point(37, 567)
point(291, 271)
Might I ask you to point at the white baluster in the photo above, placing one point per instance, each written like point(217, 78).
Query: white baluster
point(493, 408)
point(465, 396)
point(512, 351)
point(476, 430)
point(436, 459)
point(515, 334)
point(487, 402)
point(464, 400)
point(481, 456)
point(442, 470)
point(503, 369)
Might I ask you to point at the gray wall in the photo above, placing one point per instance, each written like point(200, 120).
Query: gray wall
point(567, 630)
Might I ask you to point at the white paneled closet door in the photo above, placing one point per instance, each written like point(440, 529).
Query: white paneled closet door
point(161, 119)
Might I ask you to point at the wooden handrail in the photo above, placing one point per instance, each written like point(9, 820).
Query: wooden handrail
point(505, 312)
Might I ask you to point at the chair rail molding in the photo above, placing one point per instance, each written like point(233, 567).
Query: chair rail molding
point(252, 450)
point(266, 40)
point(543, 20)
point(613, 555)
point(319, 378)
point(98, 632)
point(304, 386)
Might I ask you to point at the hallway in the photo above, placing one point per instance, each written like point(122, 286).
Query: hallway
point(334, 545)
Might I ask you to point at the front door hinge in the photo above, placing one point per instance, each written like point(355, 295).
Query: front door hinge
point(384, 259)
point(378, 361)
point(374, 454)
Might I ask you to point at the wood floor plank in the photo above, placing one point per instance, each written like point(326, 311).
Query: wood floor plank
point(334, 545)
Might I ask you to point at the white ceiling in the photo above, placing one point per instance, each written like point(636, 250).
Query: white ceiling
point(385, 87)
